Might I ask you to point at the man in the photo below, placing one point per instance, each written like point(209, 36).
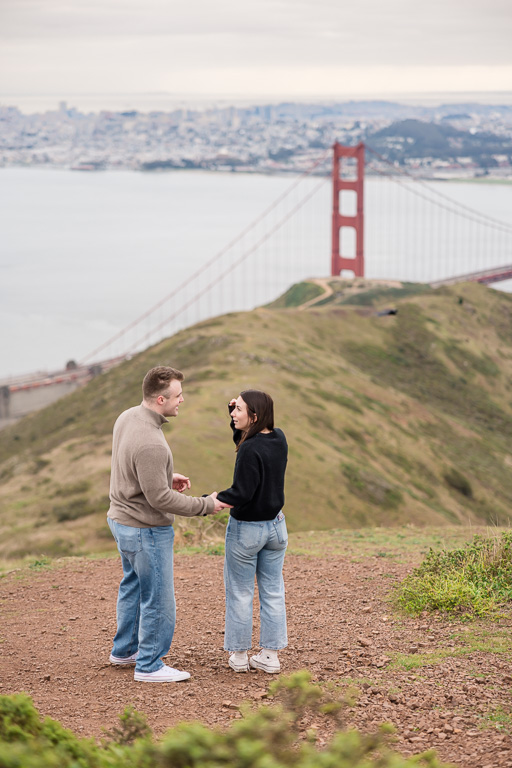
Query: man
point(145, 494)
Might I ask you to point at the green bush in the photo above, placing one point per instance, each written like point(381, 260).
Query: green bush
point(371, 487)
point(266, 738)
point(473, 580)
point(70, 489)
point(74, 509)
point(458, 482)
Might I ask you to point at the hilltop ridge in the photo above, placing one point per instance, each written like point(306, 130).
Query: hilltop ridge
point(391, 418)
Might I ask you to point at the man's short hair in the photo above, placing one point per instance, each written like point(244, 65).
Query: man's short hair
point(157, 381)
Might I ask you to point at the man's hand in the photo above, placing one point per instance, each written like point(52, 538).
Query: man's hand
point(180, 482)
point(218, 504)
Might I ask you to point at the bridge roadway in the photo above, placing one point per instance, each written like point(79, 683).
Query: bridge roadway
point(20, 395)
point(486, 276)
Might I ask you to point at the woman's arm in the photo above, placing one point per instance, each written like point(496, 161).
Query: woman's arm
point(237, 433)
point(246, 479)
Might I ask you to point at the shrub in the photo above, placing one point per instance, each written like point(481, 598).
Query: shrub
point(81, 506)
point(474, 580)
point(266, 738)
point(458, 482)
point(70, 489)
point(371, 487)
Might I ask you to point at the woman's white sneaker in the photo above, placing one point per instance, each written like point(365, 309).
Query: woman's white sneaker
point(238, 661)
point(123, 660)
point(163, 675)
point(266, 660)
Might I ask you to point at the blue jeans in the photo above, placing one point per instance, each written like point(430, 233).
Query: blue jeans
point(146, 607)
point(255, 549)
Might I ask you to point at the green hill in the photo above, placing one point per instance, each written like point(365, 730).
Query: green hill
point(391, 419)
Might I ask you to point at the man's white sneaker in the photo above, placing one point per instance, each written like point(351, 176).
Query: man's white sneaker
point(267, 661)
point(238, 661)
point(163, 675)
point(123, 660)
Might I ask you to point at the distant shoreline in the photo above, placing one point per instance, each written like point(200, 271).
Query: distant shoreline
point(246, 172)
point(148, 102)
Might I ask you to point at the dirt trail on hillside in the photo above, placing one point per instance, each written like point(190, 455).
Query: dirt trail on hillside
point(57, 626)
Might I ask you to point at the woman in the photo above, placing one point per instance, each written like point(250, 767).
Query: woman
point(256, 535)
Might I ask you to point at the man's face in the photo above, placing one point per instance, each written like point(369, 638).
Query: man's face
point(170, 401)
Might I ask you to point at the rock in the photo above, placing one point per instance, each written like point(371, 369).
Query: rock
point(364, 642)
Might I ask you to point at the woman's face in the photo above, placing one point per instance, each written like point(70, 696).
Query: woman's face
point(241, 416)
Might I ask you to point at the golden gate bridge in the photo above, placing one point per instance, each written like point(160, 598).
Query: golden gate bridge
point(404, 229)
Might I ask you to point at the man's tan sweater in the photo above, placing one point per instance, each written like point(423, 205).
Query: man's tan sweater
point(141, 493)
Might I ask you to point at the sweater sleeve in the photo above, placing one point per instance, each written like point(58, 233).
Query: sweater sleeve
point(246, 478)
point(151, 466)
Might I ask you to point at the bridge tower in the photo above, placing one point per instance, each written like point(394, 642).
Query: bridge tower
point(342, 181)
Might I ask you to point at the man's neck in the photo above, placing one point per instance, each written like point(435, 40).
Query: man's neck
point(152, 406)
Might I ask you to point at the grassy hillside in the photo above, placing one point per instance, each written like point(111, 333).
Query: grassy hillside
point(390, 418)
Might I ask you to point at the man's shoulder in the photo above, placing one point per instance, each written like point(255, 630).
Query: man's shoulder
point(135, 426)
point(129, 414)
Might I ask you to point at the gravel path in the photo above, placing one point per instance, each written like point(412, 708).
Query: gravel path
point(57, 626)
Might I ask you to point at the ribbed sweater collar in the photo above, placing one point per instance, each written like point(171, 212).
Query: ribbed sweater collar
point(151, 417)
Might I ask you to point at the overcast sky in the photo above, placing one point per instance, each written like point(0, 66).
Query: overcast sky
point(253, 48)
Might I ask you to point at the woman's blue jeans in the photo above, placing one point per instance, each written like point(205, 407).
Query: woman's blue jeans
point(146, 607)
point(255, 549)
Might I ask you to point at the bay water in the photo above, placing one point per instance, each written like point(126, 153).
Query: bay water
point(84, 254)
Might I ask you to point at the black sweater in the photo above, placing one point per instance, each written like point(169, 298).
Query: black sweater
point(257, 492)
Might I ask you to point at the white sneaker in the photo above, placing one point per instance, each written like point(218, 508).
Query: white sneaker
point(238, 661)
point(267, 661)
point(120, 660)
point(163, 675)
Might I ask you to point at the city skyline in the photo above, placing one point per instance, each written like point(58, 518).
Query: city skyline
point(267, 50)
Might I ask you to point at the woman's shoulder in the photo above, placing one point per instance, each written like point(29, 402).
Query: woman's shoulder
point(279, 434)
point(268, 438)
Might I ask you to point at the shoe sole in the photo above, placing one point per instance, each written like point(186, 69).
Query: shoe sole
point(264, 668)
point(160, 679)
point(239, 669)
point(130, 663)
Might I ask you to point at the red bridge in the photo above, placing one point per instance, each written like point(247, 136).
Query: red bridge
point(383, 224)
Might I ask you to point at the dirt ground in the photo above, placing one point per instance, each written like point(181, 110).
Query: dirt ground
point(57, 625)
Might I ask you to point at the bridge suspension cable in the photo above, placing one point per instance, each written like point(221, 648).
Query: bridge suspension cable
point(400, 173)
point(213, 262)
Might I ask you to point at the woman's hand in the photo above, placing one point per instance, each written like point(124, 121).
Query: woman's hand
point(218, 504)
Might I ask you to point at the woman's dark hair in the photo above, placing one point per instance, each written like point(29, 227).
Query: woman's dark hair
point(261, 405)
